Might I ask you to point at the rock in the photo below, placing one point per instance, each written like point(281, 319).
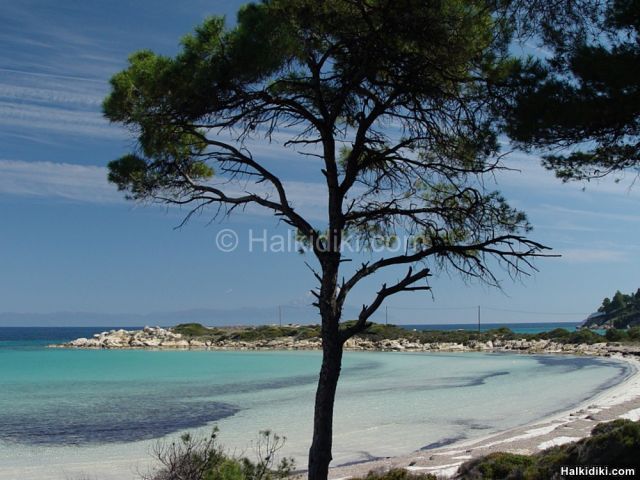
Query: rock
point(157, 337)
point(351, 343)
point(175, 344)
point(79, 342)
point(112, 342)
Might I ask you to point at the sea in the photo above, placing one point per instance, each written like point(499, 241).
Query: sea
point(99, 414)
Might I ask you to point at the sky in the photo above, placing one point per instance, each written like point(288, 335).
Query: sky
point(69, 242)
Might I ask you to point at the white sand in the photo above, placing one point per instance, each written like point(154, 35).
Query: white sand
point(554, 442)
point(633, 415)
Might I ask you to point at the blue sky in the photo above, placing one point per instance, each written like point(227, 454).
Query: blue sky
point(69, 242)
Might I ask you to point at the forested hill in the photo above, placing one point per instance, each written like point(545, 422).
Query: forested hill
point(620, 311)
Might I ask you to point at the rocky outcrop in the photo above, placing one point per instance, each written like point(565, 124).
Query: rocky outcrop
point(161, 338)
point(148, 337)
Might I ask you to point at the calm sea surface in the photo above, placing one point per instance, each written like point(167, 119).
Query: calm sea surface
point(65, 413)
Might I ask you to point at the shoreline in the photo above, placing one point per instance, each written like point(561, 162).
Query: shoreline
point(158, 338)
point(621, 400)
point(615, 389)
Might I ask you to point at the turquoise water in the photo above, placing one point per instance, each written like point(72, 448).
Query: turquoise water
point(64, 413)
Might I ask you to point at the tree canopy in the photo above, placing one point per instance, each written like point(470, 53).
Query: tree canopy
point(339, 74)
point(585, 99)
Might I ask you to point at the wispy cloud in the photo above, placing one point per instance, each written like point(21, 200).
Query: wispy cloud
point(527, 173)
point(593, 214)
point(50, 76)
point(67, 95)
point(55, 119)
point(60, 104)
point(593, 255)
point(80, 183)
point(88, 184)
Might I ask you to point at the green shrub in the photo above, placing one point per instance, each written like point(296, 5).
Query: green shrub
point(634, 333)
point(398, 474)
point(192, 330)
point(498, 465)
point(555, 334)
point(308, 333)
point(583, 335)
point(615, 444)
point(615, 335)
point(377, 332)
point(380, 331)
point(203, 459)
point(502, 331)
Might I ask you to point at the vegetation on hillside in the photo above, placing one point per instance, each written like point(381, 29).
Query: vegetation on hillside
point(247, 334)
point(620, 311)
point(377, 332)
point(613, 444)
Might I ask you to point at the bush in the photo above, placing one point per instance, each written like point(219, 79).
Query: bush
point(192, 330)
point(583, 335)
point(498, 465)
point(398, 474)
point(634, 333)
point(380, 331)
point(555, 334)
point(615, 335)
point(203, 459)
point(377, 332)
point(614, 444)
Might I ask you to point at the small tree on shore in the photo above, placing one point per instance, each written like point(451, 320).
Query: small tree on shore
point(397, 99)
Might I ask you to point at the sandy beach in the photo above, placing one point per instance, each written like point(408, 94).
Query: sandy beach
point(620, 401)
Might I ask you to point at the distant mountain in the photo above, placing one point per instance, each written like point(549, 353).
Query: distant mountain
point(621, 311)
point(213, 316)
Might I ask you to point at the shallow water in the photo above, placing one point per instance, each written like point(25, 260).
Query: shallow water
point(63, 412)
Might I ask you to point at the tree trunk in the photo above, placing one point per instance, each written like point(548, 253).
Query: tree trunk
point(320, 451)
